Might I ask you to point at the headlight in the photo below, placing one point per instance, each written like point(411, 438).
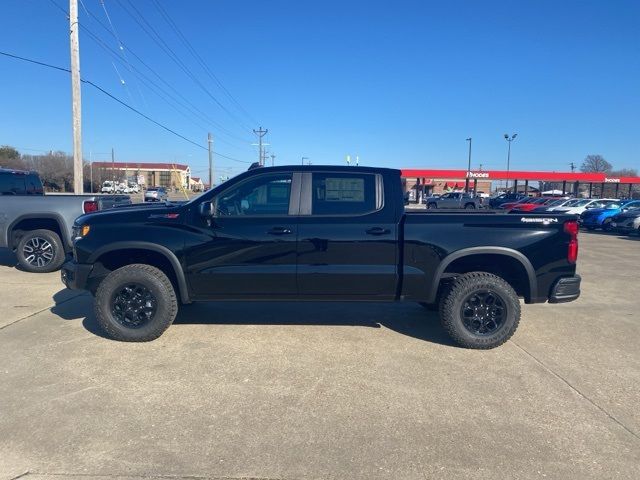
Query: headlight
point(81, 232)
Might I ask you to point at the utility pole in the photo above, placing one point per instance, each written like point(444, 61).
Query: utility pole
point(466, 183)
point(260, 133)
point(303, 159)
point(572, 166)
point(113, 171)
point(210, 143)
point(273, 159)
point(76, 100)
point(90, 172)
point(509, 139)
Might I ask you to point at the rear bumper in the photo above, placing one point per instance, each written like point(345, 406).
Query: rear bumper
point(75, 275)
point(566, 289)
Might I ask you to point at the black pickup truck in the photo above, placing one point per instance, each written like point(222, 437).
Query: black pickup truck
point(321, 234)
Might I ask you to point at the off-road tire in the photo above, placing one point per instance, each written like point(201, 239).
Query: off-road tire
point(56, 246)
point(158, 285)
point(451, 310)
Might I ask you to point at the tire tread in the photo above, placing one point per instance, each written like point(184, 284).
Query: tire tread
point(448, 309)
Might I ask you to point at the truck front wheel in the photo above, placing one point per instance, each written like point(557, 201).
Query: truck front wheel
point(480, 310)
point(135, 303)
point(40, 251)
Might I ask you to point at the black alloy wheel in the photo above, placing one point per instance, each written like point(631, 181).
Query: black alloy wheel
point(483, 312)
point(134, 305)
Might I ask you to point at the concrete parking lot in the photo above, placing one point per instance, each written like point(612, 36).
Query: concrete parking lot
point(324, 391)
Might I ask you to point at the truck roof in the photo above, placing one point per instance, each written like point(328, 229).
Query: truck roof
point(328, 168)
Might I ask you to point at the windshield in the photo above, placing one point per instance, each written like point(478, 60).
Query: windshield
point(580, 203)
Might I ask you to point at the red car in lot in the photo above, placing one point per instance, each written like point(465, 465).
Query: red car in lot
point(509, 205)
point(532, 204)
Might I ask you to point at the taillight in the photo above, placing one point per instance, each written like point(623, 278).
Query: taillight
point(90, 206)
point(572, 228)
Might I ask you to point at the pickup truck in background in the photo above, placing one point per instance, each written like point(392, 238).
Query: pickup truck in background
point(455, 200)
point(38, 227)
point(322, 234)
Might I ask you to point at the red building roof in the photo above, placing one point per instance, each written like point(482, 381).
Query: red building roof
point(141, 166)
point(517, 175)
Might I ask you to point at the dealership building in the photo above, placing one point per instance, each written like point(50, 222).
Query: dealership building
point(424, 182)
point(169, 175)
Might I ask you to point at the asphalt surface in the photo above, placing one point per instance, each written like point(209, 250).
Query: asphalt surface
point(323, 391)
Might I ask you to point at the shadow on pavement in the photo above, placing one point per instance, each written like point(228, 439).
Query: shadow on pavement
point(407, 319)
point(7, 258)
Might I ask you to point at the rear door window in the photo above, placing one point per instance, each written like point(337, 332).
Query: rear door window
point(344, 194)
point(11, 184)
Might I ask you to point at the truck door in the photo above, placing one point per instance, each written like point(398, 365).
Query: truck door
point(347, 237)
point(249, 247)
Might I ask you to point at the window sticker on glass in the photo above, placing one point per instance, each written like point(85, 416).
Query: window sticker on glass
point(344, 190)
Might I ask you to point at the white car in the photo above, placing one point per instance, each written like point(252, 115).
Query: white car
point(585, 204)
point(107, 187)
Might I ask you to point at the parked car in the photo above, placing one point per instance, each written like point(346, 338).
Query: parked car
point(509, 205)
point(556, 204)
point(496, 202)
point(156, 194)
point(38, 227)
point(627, 222)
point(454, 200)
point(320, 233)
point(586, 204)
point(19, 182)
point(600, 218)
point(529, 205)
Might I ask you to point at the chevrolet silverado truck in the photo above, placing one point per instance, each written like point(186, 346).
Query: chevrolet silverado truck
point(321, 234)
point(38, 227)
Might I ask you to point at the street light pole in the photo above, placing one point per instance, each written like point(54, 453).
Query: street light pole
point(466, 183)
point(509, 139)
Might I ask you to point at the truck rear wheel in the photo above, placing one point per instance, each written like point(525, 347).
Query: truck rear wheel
point(135, 303)
point(40, 251)
point(480, 310)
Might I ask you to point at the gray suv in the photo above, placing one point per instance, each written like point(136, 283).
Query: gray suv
point(455, 200)
point(156, 194)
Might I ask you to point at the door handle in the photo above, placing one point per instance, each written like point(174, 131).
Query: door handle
point(378, 231)
point(279, 231)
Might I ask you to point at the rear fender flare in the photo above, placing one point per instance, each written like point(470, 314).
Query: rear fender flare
point(509, 252)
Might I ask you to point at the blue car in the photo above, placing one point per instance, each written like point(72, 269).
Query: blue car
point(601, 217)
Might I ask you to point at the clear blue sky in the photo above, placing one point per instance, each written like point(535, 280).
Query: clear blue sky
point(400, 83)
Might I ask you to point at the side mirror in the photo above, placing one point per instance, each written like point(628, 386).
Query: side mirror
point(206, 210)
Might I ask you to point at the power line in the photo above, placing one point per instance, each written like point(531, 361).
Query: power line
point(191, 107)
point(158, 40)
point(121, 102)
point(200, 60)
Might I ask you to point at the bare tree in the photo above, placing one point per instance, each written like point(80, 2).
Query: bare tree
point(11, 158)
point(595, 164)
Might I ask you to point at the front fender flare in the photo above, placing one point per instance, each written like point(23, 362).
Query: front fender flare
point(168, 254)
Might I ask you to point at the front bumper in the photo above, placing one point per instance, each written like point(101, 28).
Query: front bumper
point(75, 275)
point(566, 289)
point(625, 227)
